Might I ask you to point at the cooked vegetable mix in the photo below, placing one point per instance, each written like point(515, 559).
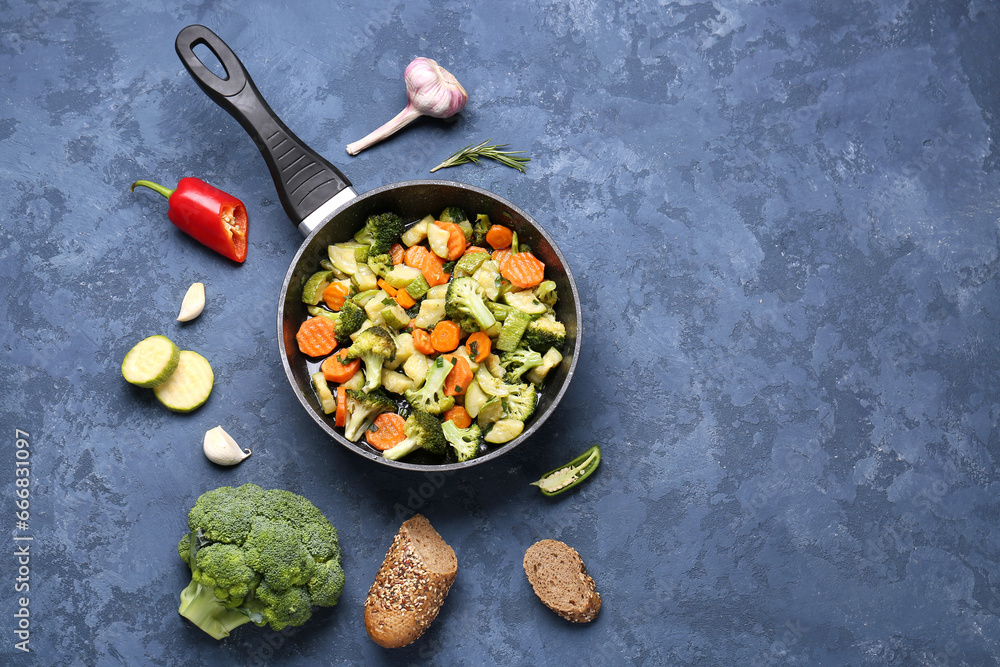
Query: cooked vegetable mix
point(434, 335)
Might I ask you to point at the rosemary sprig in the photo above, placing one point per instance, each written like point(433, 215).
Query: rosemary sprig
point(473, 153)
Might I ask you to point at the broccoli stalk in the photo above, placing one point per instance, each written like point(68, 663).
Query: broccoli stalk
point(266, 556)
point(464, 304)
point(422, 431)
point(430, 397)
point(465, 441)
point(200, 606)
point(374, 346)
point(362, 409)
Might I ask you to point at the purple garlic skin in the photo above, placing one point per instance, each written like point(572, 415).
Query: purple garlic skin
point(431, 90)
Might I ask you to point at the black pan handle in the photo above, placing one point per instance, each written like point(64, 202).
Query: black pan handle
point(304, 180)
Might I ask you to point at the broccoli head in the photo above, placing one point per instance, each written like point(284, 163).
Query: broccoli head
point(373, 346)
point(520, 401)
point(453, 214)
point(465, 441)
point(544, 333)
point(546, 292)
point(380, 232)
point(519, 362)
point(267, 556)
point(348, 319)
point(423, 431)
point(479, 229)
point(380, 264)
point(362, 409)
point(430, 397)
point(464, 304)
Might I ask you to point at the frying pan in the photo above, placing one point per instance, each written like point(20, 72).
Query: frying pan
point(319, 199)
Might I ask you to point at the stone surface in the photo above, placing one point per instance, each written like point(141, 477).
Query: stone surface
point(783, 222)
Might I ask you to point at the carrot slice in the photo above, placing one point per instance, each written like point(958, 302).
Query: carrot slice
point(404, 299)
point(474, 248)
point(459, 377)
point(389, 289)
point(396, 252)
point(499, 236)
point(433, 270)
point(446, 336)
point(478, 346)
point(523, 270)
point(500, 256)
point(317, 336)
point(459, 416)
point(341, 417)
point(456, 239)
point(386, 431)
point(422, 342)
point(414, 256)
point(337, 368)
point(334, 296)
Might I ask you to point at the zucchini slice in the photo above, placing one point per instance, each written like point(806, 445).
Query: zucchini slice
point(151, 361)
point(189, 386)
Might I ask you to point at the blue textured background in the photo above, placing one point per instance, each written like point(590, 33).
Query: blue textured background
point(783, 220)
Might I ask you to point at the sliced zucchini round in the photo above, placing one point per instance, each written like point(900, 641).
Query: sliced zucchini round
point(189, 386)
point(151, 361)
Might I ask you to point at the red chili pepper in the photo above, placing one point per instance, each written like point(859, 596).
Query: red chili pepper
point(207, 214)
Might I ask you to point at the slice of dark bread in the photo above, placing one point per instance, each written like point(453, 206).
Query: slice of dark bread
point(560, 580)
point(411, 584)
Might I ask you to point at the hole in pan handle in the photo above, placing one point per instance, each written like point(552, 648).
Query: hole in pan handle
point(304, 180)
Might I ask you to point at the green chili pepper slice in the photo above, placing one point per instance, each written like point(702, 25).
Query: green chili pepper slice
point(567, 476)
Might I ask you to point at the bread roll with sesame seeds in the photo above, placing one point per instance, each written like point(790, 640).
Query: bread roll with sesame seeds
point(411, 585)
point(560, 580)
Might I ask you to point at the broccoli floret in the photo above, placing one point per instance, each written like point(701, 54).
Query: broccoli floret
point(348, 319)
point(380, 232)
point(465, 441)
point(546, 292)
point(362, 409)
point(464, 304)
point(479, 229)
point(430, 397)
point(373, 346)
point(266, 556)
point(453, 214)
point(544, 333)
point(520, 401)
point(519, 362)
point(423, 431)
point(380, 264)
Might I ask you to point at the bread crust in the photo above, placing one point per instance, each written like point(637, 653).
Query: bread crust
point(556, 572)
point(410, 586)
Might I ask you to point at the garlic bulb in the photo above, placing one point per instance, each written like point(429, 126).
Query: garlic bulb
point(193, 303)
point(431, 91)
point(220, 448)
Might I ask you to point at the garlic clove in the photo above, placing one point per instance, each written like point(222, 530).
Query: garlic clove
point(220, 448)
point(193, 303)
